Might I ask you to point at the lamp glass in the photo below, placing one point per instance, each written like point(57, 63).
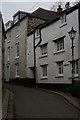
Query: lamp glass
point(72, 33)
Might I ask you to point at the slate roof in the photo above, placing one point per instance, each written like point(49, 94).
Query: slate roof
point(57, 16)
point(66, 11)
point(45, 14)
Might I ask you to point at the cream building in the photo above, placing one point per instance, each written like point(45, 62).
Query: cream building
point(16, 42)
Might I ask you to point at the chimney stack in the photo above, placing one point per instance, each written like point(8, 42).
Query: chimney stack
point(67, 6)
point(59, 10)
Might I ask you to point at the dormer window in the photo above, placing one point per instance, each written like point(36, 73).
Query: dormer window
point(8, 24)
point(17, 30)
point(16, 19)
point(63, 18)
point(37, 33)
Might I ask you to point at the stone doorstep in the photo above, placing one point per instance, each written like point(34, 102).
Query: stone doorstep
point(72, 100)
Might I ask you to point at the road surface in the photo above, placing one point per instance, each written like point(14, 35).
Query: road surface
point(35, 103)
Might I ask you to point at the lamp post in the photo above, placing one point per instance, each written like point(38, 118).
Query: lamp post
point(72, 34)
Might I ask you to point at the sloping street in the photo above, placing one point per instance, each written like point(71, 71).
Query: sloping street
point(35, 103)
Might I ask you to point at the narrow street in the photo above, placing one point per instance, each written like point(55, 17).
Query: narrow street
point(35, 103)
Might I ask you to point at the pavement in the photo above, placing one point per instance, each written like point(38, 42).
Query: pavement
point(8, 102)
point(0, 104)
point(68, 97)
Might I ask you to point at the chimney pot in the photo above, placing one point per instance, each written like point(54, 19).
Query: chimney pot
point(59, 10)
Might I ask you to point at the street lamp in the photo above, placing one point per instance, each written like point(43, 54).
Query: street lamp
point(72, 34)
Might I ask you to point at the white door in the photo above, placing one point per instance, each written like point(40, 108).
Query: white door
point(7, 74)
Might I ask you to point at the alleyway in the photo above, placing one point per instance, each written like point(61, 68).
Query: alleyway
point(34, 103)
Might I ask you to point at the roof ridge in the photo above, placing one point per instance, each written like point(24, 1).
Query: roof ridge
point(43, 9)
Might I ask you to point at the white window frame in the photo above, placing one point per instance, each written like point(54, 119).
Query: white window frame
point(75, 63)
point(63, 18)
point(44, 49)
point(17, 50)
point(17, 70)
point(18, 30)
point(7, 26)
point(44, 71)
point(60, 68)
point(8, 55)
point(37, 33)
point(60, 44)
point(16, 18)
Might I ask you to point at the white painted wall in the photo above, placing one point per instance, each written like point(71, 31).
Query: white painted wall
point(48, 34)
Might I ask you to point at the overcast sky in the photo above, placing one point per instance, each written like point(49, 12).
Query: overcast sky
point(10, 7)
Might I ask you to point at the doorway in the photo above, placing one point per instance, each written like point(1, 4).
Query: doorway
point(8, 73)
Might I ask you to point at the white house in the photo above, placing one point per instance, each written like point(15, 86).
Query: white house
point(54, 53)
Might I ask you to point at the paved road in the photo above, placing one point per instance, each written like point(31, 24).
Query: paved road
point(34, 103)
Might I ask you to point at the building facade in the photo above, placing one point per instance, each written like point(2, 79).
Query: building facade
point(16, 43)
point(15, 49)
point(54, 53)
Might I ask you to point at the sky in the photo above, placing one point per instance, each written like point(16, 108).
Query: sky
point(10, 7)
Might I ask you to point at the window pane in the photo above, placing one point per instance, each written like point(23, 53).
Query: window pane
point(37, 32)
point(17, 49)
point(44, 49)
point(60, 44)
point(16, 18)
point(8, 53)
point(60, 66)
point(17, 69)
point(18, 29)
point(63, 18)
point(57, 46)
point(44, 70)
point(77, 67)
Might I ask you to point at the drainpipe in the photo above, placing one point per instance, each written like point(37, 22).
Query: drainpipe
point(35, 46)
point(34, 62)
point(79, 42)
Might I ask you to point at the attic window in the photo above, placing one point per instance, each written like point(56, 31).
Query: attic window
point(16, 19)
point(8, 25)
point(63, 18)
point(37, 32)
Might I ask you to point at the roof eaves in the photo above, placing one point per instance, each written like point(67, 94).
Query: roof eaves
point(48, 23)
point(67, 11)
point(19, 12)
point(3, 29)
